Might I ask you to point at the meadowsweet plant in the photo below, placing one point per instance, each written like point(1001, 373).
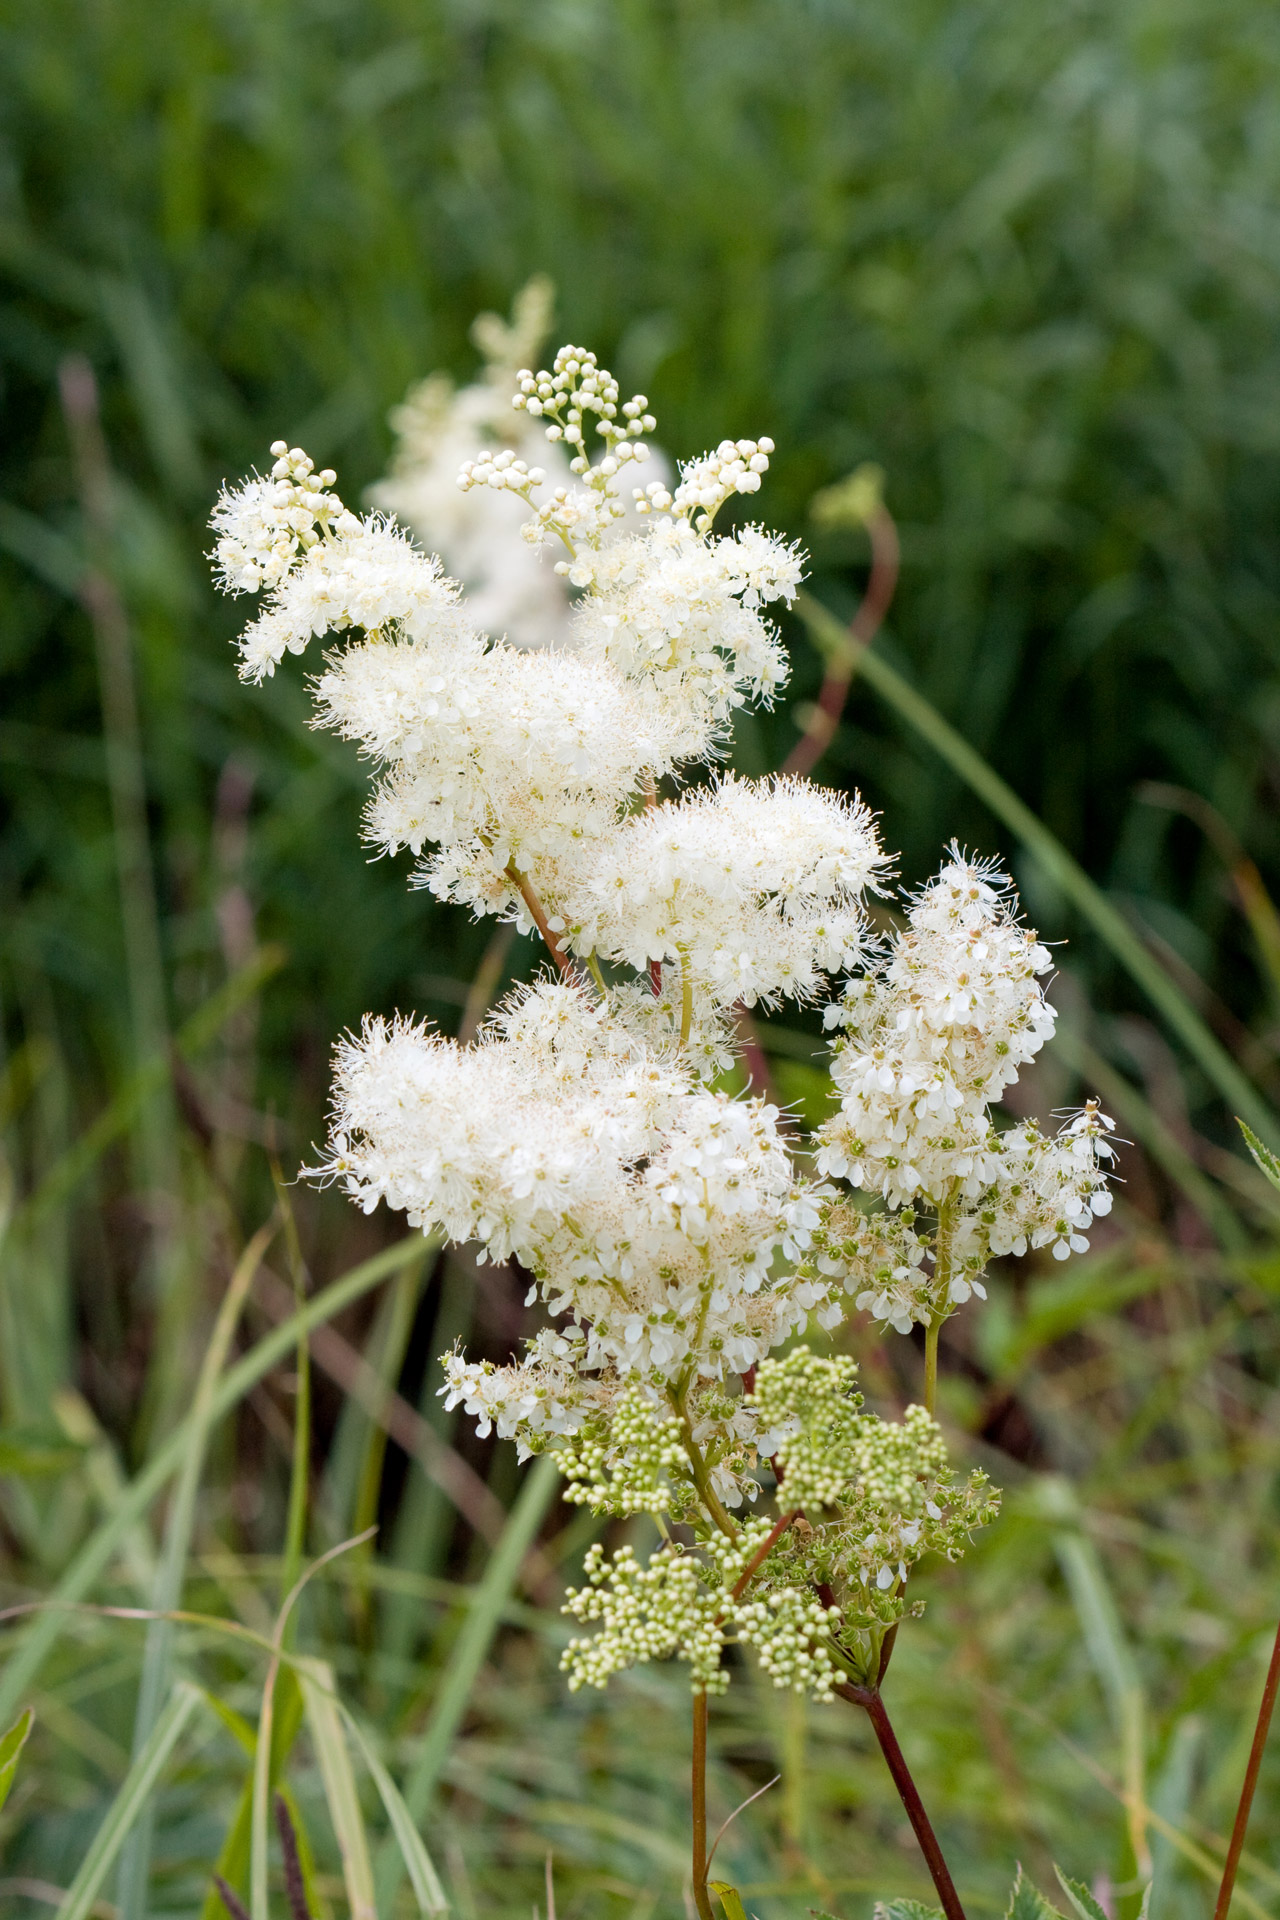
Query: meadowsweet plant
point(692, 1262)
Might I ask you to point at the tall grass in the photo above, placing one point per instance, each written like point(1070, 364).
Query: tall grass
point(1027, 260)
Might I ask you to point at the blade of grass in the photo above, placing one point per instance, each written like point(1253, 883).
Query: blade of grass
point(286, 1719)
point(11, 1750)
point(135, 1861)
point(95, 1555)
point(134, 1794)
point(1058, 864)
point(341, 1792)
point(420, 1537)
point(1256, 904)
point(126, 774)
point(300, 1469)
point(418, 1862)
point(264, 1746)
point(265, 1743)
point(1114, 1665)
point(467, 1658)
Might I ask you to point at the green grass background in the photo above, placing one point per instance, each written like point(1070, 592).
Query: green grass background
point(1027, 259)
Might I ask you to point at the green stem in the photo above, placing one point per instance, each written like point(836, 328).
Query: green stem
point(686, 999)
point(701, 1898)
point(931, 1333)
point(701, 1474)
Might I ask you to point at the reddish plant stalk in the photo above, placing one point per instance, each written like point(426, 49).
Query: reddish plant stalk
point(763, 1551)
point(1266, 1707)
point(868, 1698)
point(537, 913)
point(829, 707)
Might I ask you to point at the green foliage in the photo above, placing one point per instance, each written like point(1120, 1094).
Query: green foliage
point(1082, 1901)
point(1264, 1159)
point(1022, 260)
point(11, 1751)
point(1026, 1902)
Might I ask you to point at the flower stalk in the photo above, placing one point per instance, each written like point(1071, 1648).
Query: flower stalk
point(870, 1700)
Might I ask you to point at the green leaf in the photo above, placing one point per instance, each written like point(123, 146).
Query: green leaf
point(1026, 1902)
point(11, 1748)
point(421, 1867)
point(906, 1910)
point(28, 1456)
point(1267, 1161)
point(730, 1899)
point(327, 1737)
point(1078, 1894)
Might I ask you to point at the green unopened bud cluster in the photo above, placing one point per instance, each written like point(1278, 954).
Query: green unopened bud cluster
point(634, 1463)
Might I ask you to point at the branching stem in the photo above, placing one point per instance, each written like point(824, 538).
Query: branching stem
point(868, 1698)
point(763, 1551)
point(686, 999)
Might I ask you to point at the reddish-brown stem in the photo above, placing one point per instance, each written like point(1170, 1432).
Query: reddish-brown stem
point(763, 1551)
point(701, 1898)
point(826, 715)
point(537, 914)
point(1236, 1848)
point(868, 1698)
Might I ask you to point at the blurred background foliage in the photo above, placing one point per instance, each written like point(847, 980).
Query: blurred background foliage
point(1025, 258)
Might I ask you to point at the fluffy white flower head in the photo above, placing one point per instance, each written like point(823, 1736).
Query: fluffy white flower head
point(752, 888)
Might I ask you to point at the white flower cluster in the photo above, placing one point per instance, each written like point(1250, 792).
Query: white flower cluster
point(646, 1206)
point(705, 484)
point(679, 612)
point(265, 526)
point(505, 770)
point(752, 888)
point(930, 1041)
point(665, 1227)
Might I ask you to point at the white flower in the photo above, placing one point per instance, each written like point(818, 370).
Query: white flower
point(265, 526)
point(513, 592)
point(933, 1038)
point(649, 1208)
point(754, 887)
point(680, 614)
